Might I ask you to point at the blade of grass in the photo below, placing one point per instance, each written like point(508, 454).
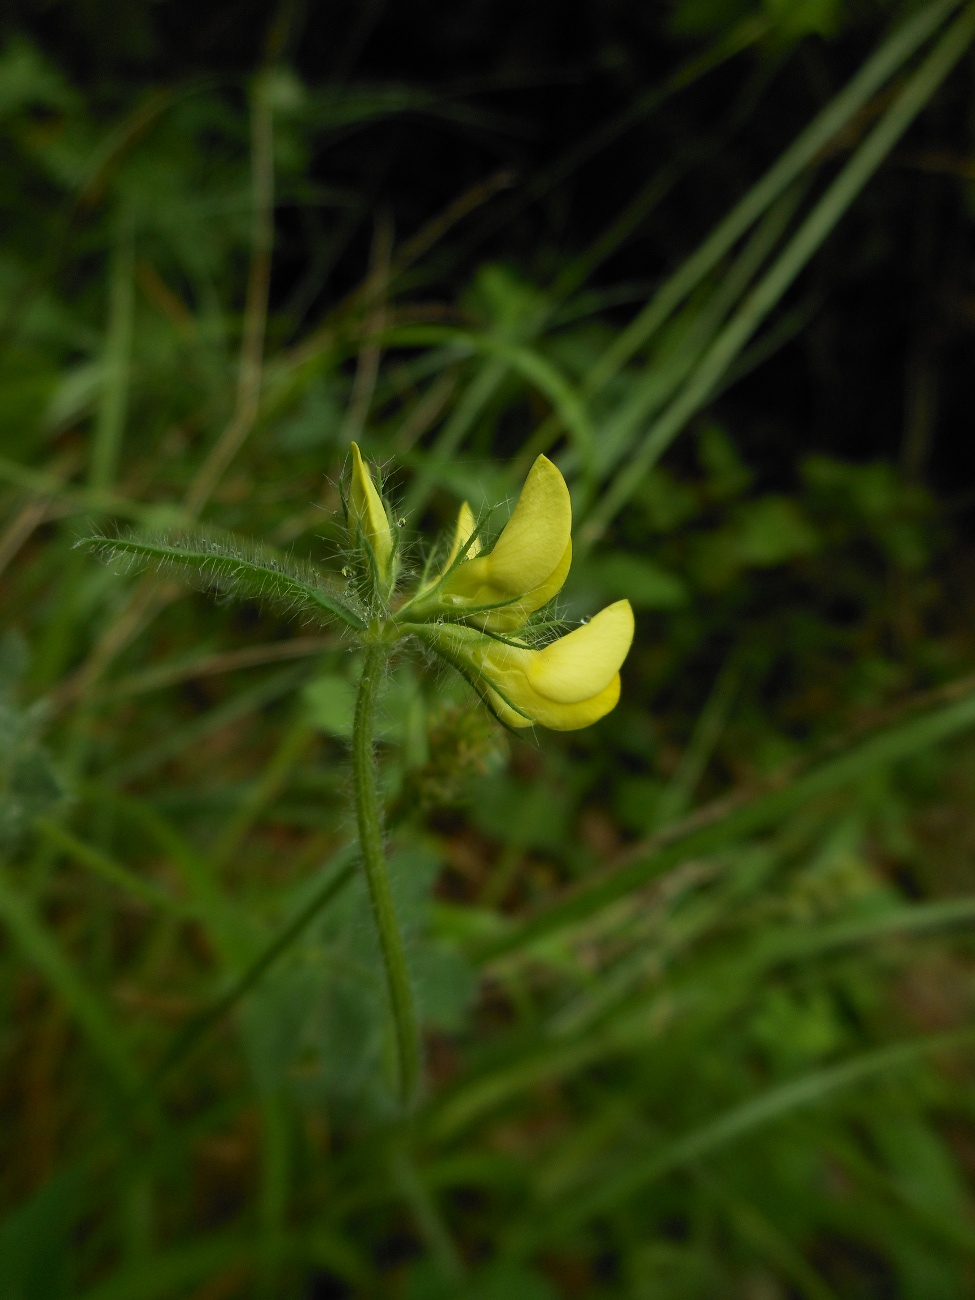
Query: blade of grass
point(530, 364)
point(367, 365)
point(564, 1047)
point(426, 1214)
point(110, 420)
point(602, 1195)
point(223, 1261)
point(55, 487)
point(211, 906)
point(677, 795)
point(23, 525)
point(342, 870)
point(255, 311)
point(176, 742)
point(883, 64)
point(760, 1232)
point(742, 37)
point(694, 330)
point(108, 869)
point(807, 240)
point(757, 814)
point(42, 951)
point(196, 665)
point(267, 786)
point(466, 412)
point(275, 1179)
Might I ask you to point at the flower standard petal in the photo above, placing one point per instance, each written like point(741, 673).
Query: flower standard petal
point(514, 616)
point(523, 571)
point(533, 541)
point(530, 549)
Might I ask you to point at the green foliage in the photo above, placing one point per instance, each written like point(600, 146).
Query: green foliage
point(788, 20)
point(243, 570)
point(695, 984)
point(29, 784)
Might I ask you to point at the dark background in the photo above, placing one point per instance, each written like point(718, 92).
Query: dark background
point(558, 97)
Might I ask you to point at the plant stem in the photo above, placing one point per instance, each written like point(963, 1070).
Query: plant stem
point(374, 865)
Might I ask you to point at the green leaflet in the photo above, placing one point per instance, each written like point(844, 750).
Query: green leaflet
point(239, 569)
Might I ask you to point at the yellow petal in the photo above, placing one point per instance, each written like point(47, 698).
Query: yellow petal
point(367, 515)
point(556, 717)
point(579, 666)
point(533, 541)
point(501, 674)
point(514, 616)
point(572, 717)
point(508, 675)
point(529, 561)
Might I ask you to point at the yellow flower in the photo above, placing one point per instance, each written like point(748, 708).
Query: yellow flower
point(470, 613)
point(524, 569)
point(569, 683)
point(368, 522)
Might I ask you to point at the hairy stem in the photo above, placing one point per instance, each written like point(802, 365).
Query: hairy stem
point(374, 865)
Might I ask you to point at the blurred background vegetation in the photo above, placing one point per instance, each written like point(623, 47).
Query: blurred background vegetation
point(696, 983)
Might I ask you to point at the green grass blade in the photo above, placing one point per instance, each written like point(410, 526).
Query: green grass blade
point(79, 500)
point(189, 1038)
point(622, 1025)
point(807, 240)
point(809, 1090)
point(797, 943)
point(108, 869)
point(42, 951)
point(176, 741)
point(878, 69)
point(110, 419)
point(467, 411)
point(523, 360)
point(694, 330)
point(226, 1255)
point(756, 815)
point(290, 751)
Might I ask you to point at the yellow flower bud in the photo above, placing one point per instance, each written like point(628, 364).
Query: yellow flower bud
point(466, 523)
point(368, 522)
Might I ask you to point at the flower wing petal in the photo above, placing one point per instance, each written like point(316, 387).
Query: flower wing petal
point(579, 666)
